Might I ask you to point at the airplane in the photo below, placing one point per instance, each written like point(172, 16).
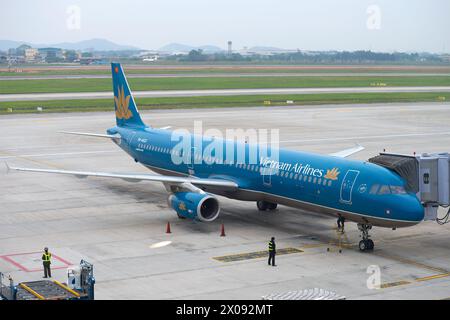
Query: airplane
point(360, 191)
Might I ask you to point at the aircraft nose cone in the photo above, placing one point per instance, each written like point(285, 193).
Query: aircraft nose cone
point(412, 209)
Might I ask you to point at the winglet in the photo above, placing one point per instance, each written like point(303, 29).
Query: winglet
point(347, 152)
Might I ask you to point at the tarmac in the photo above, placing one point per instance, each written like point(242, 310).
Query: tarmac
point(215, 92)
point(120, 226)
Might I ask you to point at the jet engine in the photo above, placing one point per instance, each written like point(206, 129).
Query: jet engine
point(196, 206)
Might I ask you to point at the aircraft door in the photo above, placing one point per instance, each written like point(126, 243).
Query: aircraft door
point(347, 186)
point(191, 161)
point(130, 141)
point(267, 176)
point(130, 137)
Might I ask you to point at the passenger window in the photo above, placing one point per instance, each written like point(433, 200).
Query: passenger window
point(384, 190)
point(374, 189)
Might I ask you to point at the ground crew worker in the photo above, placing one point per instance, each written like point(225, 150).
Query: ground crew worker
point(46, 257)
point(340, 223)
point(272, 251)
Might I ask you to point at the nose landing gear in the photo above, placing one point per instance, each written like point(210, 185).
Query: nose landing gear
point(365, 244)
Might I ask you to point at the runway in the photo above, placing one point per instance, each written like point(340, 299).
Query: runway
point(120, 226)
point(217, 92)
point(227, 75)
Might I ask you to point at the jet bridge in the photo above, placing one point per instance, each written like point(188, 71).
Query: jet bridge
point(427, 175)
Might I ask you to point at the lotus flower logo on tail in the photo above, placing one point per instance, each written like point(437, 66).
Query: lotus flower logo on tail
point(332, 174)
point(122, 101)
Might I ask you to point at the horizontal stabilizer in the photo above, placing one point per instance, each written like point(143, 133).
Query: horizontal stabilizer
point(97, 135)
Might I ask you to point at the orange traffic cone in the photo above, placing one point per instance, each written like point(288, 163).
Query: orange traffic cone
point(222, 231)
point(168, 228)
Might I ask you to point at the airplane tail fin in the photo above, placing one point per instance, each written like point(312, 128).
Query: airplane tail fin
point(127, 114)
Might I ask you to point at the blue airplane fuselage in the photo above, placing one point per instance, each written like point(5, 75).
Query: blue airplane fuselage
point(358, 190)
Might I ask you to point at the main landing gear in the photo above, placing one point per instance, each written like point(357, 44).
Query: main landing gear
point(265, 205)
point(365, 244)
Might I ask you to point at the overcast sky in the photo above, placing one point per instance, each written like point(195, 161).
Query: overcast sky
point(380, 25)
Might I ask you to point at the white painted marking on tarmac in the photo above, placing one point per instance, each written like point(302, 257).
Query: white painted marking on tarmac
point(56, 154)
point(369, 137)
point(217, 92)
point(152, 115)
point(18, 148)
point(160, 244)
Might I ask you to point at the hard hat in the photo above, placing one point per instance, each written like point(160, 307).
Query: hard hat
point(45, 249)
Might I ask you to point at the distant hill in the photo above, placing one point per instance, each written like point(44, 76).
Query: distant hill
point(209, 48)
point(6, 44)
point(179, 47)
point(94, 44)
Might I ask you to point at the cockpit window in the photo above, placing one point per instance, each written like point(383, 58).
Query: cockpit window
point(387, 189)
point(397, 190)
point(374, 189)
point(384, 189)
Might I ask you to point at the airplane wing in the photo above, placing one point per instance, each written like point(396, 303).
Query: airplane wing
point(347, 152)
point(170, 180)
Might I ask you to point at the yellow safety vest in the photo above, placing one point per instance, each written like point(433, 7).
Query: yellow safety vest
point(47, 257)
point(271, 247)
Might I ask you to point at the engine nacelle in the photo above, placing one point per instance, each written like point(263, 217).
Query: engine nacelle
point(193, 205)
